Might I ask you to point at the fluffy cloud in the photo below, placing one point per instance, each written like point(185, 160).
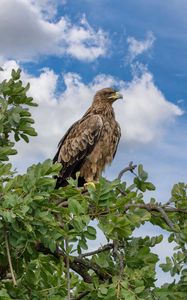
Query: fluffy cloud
point(48, 8)
point(143, 114)
point(26, 33)
point(146, 112)
point(137, 47)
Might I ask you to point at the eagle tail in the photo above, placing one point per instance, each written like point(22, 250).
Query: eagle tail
point(62, 182)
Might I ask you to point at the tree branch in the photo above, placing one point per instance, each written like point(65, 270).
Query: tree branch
point(130, 168)
point(99, 250)
point(81, 295)
point(81, 270)
point(77, 264)
point(165, 217)
point(68, 273)
point(158, 208)
point(102, 274)
point(9, 257)
point(63, 203)
point(150, 207)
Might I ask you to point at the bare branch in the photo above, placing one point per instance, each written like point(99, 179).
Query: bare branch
point(77, 264)
point(68, 273)
point(118, 255)
point(81, 295)
point(165, 217)
point(82, 271)
point(63, 203)
point(158, 208)
point(102, 274)
point(9, 257)
point(150, 207)
point(99, 250)
point(130, 168)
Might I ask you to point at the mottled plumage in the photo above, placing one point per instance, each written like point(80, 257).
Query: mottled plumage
point(91, 142)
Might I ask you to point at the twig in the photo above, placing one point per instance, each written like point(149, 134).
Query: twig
point(81, 295)
point(99, 250)
point(130, 168)
point(82, 271)
point(159, 209)
point(119, 257)
point(62, 203)
point(155, 208)
point(9, 258)
point(102, 274)
point(165, 217)
point(67, 267)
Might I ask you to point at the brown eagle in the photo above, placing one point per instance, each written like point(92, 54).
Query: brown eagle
point(91, 142)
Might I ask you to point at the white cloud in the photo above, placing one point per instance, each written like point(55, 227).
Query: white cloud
point(143, 114)
point(146, 112)
point(137, 47)
point(26, 33)
point(46, 7)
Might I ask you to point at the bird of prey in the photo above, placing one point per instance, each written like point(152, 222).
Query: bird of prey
point(91, 142)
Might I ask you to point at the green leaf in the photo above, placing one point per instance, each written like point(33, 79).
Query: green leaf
point(103, 290)
point(52, 246)
point(45, 181)
point(24, 137)
point(8, 216)
point(139, 289)
point(141, 173)
point(16, 117)
point(89, 236)
point(4, 295)
point(167, 266)
point(16, 137)
point(30, 131)
point(25, 113)
point(16, 74)
point(29, 228)
point(75, 207)
point(91, 230)
point(127, 295)
point(150, 186)
point(6, 151)
point(5, 169)
point(82, 244)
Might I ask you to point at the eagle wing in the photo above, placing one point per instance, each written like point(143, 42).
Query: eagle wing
point(77, 144)
point(116, 138)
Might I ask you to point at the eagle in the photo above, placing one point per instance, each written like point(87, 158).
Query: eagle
point(91, 142)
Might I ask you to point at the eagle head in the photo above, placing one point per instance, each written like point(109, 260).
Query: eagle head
point(107, 95)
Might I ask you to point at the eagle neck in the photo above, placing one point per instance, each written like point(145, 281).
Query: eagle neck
point(106, 110)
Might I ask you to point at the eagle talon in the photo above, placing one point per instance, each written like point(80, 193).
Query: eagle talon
point(90, 184)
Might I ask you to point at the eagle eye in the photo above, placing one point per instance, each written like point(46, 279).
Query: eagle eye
point(111, 92)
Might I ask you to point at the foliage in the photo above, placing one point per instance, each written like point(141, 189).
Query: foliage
point(45, 233)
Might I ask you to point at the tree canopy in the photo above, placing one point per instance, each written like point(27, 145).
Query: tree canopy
point(45, 232)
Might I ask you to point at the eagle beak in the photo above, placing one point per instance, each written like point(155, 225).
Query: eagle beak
point(118, 95)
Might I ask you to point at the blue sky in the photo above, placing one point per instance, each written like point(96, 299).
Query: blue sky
point(69, 49)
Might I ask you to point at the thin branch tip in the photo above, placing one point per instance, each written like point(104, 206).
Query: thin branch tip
point(9, 257)
point(130, 168)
